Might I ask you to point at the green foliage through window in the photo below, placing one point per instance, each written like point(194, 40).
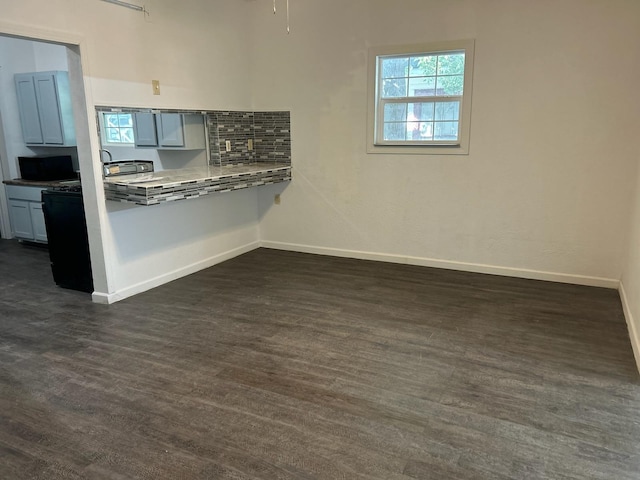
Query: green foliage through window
point(421, 96)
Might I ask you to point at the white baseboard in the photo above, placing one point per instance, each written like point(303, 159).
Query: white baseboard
point(100, 297)
point(108, 298)
point(634, 331)
point(449, 265)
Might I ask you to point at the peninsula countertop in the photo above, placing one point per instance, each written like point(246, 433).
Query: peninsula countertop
point(180, 184)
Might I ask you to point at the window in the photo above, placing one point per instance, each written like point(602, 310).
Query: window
point(420, 98)
point(117, 128)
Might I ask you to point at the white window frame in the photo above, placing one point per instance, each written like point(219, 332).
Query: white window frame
point(103, 129)
point(374, 114)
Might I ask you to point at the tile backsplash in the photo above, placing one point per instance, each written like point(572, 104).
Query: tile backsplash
point(269, 131)
point(272, 137)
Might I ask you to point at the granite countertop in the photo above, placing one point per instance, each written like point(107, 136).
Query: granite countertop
point(40, 183)
point(180, 184)
point(188, 175)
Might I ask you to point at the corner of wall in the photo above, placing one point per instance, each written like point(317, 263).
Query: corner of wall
point(632, 325)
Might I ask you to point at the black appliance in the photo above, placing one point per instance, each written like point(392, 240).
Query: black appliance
point(46, 168)
point(68, 241)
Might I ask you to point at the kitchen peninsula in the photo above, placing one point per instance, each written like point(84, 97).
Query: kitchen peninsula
point(244, 149)
point(172, 185)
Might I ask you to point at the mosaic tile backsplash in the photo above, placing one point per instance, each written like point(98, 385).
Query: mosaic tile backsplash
point(272, 137)
point(269, 131)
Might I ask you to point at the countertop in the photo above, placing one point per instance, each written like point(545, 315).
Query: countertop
point(180, 184)
point(39, 183)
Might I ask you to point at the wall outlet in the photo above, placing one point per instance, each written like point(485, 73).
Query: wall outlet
point(250, 144)
point(228, 145)
point(276, 199)
point(155, 84)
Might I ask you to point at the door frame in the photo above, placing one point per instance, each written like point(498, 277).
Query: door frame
point(87, 141)
point(5, 223)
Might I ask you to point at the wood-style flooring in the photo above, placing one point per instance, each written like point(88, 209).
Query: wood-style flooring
point(279, 365)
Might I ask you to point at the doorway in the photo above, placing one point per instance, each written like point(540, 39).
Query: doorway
point(37, 53)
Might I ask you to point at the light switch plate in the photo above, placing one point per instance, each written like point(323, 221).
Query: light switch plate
point(155, 84)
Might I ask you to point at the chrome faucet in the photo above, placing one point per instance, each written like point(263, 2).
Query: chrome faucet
point(108, 153)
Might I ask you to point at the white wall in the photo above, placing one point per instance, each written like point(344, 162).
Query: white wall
point(199, 55)
point(545, 191)
point(630, 283)
point(49, 57)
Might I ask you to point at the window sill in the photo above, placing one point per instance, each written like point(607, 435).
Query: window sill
point(418, 149)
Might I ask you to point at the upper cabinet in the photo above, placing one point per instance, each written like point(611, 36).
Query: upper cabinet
point(46, 114)
point(169, 131)
point(145, 133)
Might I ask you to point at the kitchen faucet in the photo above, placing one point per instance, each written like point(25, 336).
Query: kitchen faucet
point(108, 153)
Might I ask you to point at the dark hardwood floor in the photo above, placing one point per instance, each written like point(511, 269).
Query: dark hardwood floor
point(279, 365)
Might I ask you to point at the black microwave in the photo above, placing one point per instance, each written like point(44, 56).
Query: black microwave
point(45, 168)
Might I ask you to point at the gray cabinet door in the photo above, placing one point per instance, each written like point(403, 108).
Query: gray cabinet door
point(28, 106)
point(144, 130)
point(170, 130)
point(20, 214)
point(46, 113)
point(49, 108)
point(37, 221)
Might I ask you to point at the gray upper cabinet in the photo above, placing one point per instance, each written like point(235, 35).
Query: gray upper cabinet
point(169, 131)
point(29, 117)
point(46, 114)
point(144, 128)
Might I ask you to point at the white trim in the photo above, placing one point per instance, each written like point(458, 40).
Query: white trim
point(450, 265)
point(634, 331)
point(108, 298)
point(29, 32)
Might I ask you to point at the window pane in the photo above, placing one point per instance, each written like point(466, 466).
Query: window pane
point(451, 64)
point(426, 131)
point(446, 131)
point(396, 87)
point(422, 87)
point(395, 112)
point(450, 85)
point(423, 66)
point(395, 67)
point(421, 111)
point(126, 135)
point(112, 134)
point(125, 120)
point(413, 131)
point(111, 120)
point(447, 110)
point(394, 131)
